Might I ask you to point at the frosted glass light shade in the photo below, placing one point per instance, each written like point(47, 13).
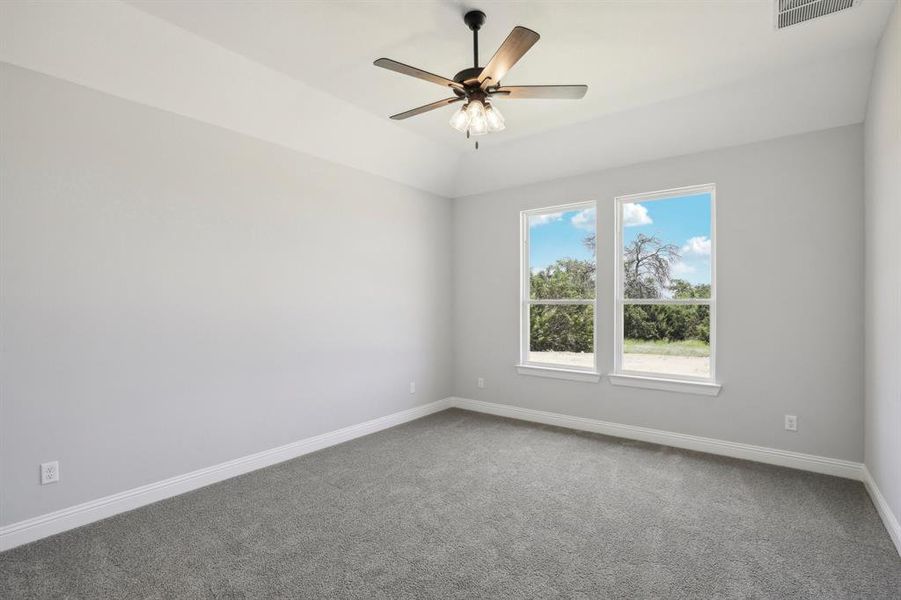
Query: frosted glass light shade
point(478, 122)
point(478, 126)
point(460, 119)
point(494, 118)
point(476, 109)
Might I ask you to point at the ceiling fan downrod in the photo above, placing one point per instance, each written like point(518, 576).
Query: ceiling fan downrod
point(474, 19)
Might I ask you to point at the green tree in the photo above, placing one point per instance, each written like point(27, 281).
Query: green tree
point(648, 274)
point(561, 328)
point(670, 322)
point(566, 278)
point(683, 289)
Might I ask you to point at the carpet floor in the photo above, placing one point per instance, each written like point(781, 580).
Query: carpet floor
point(463, 505)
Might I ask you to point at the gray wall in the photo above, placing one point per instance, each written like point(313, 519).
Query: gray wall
point(175, 295)
point(790, 288)
point(883, 274)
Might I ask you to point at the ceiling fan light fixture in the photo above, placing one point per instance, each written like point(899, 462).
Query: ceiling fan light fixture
point(494, 118)
point(476, 85)
point(478, 121)
point(476, 109)
point(478, 126)
point(460, 119)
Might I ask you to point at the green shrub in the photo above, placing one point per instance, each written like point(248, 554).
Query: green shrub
point(561, 328)
point(570, 328)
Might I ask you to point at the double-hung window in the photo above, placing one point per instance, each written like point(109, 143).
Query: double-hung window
point(558, 289)
point(665, 320)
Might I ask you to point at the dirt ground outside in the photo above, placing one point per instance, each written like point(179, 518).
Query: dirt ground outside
point(698, 366)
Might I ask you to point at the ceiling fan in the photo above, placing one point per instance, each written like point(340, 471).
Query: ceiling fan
point(479, 86)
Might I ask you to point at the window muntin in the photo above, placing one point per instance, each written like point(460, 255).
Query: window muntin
point(665, 288)
point(559, 287)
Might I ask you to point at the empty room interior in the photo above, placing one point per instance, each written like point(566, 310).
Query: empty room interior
point(443, 299)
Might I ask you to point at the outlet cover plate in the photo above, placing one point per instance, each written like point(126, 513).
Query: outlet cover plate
point(791, 423)
point(49, 472)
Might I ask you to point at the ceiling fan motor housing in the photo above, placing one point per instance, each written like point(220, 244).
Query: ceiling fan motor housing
point(468, 77)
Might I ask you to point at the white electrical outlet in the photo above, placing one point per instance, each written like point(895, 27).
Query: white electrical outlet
point(481, 382)
point(412, 387)
point(791, 423)
point(49, 472)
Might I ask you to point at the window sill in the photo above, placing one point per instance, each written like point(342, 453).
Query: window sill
point(559, 373)
point(668, 385)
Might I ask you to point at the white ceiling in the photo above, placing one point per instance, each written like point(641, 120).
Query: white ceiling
point(667, 62)
point(629, 53)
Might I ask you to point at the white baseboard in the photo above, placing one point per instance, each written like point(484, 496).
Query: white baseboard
point(772, 456)
point(885, 512)
point(42, 526)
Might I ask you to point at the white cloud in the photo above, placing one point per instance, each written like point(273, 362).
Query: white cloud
point(681, 268)
point(537, 220)
point(584, 219)
point(635, 215)
point(697, 246)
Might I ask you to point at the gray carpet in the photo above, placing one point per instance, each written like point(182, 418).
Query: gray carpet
point(461, 505)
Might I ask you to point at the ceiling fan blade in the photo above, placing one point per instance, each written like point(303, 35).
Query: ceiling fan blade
point(426, 108)
point(551, 92)
point(517, 43)
point(393, 65)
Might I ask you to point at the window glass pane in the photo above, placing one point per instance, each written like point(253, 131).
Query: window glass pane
point(562, 334)
point(562, 255)
point(667, 339)
point(666, 248)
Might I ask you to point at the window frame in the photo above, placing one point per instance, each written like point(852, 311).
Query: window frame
point(556, 370)
point(619, 292)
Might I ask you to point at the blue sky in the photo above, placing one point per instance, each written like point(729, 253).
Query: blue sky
point(683, 221)
point(559, 235)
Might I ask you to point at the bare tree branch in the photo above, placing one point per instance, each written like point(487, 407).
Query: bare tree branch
point(648, 266)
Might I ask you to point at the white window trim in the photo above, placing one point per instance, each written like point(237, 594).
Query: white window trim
point(558, 373)
point(703, 388)
point(662, 381)
point(540, 369)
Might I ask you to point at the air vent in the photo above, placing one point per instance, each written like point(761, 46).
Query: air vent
point(792, 12)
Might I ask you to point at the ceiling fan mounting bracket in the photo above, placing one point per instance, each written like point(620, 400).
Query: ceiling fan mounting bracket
point(474, 19)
